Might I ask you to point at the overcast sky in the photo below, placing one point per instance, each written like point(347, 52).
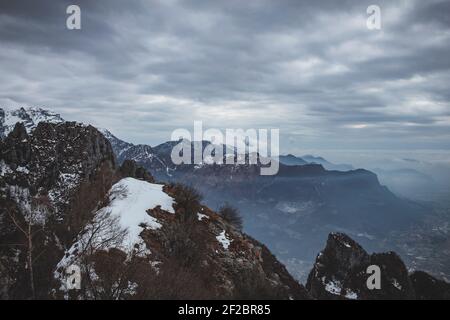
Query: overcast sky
point(310, 68)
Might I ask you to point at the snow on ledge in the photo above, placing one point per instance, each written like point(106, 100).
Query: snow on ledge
point(200, 216)
point(224, 241)
point(130, 200)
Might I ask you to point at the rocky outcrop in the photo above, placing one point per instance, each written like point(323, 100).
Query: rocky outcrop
point(56, 159)
point(51, 180)
point(427, 287)
point(130, 168)
point(228, 263)
point(341, 271)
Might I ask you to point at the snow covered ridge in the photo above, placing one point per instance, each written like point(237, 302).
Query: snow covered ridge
point(119, 224)
point(131, 198)
point(30, 117)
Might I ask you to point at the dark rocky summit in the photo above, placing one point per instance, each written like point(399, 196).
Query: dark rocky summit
point(340, 272)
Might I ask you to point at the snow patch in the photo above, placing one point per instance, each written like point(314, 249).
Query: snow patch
point(22, 170)
point(131, 198)
point(396, 284)
point(351, 295)
point(64, 185)
point(200, 216)
point(333, 287)
point(33, 214)
point(4, 169)
point(223, 240)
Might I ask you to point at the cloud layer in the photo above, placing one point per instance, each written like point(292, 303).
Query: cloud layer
point(312, 69)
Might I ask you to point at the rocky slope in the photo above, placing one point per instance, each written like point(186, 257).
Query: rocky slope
point(64, 202)
point(50, 181)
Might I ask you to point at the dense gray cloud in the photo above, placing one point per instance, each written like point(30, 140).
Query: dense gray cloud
point(310, 68)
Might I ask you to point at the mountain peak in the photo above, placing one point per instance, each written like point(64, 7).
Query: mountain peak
point(30, 117)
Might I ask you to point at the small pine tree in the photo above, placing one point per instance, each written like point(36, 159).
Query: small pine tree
point(231, 215)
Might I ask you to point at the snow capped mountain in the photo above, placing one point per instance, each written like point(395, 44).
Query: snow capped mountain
point(119, 146)
point(144, 155)
point(30, 117)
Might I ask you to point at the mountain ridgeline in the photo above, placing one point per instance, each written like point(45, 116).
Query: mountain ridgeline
point(65, 202)
point(294, 210)
point(71, 195)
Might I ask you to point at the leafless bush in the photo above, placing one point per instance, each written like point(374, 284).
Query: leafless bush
point(188, 200)
point(104, 232)
point(231, 215)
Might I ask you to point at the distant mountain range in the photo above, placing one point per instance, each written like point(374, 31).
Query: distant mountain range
point(309, 159)
point(65, 202)
point(293, 211)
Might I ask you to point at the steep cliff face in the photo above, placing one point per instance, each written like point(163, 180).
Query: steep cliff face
point(341, 272)
point(56, 161)
point(50, 181)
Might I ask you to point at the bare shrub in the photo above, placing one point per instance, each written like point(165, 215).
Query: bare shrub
point(231, 215)
point(188, 200)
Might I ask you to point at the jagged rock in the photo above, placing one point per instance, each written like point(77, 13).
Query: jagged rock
point(129, 168)
point(340, 272)
point(16, 149)
point(395, 282)
point(51, 179)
